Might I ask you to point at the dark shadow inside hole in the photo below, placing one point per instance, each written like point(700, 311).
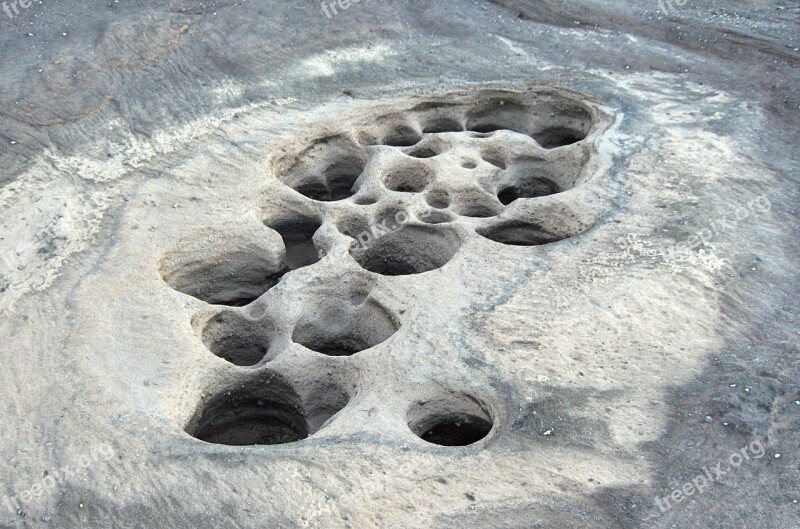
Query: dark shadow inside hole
point(558, 137)
point(438, 200)
point(365, 200)
point(345, 327)
point(518, 233)
point(240, 341)
point(486, 128)
point(341, 177)
point(239, 352)
point(267, 412)
point(254, 423)
point(498, 114)
point(508, 195)
point(528, 188)
point(327, 170)
point(497, 162)
point(337, 347)
point(456, 430)
point(478, 211)
point(298, 238)
point(422, 152)
point(402, 137)
point(315, 190)
point(234, 278)
point(243, 295)
point(407, 179)
point(443, 126)
point(436, 217)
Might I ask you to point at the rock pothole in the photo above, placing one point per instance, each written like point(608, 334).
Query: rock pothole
point(264, 410)
point(237, 339)
point(408, 250)
point(344, 327)
point(450, 420)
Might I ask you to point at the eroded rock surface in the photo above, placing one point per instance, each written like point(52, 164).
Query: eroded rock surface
point(452, 264)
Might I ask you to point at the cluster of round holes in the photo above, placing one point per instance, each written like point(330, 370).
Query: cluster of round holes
point(411, 149)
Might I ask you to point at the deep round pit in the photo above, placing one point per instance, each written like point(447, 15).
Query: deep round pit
point(265, 410)
point(245, 418)
point(453, 420)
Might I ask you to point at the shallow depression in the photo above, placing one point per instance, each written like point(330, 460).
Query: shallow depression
point(335, 326)
point(409, 250)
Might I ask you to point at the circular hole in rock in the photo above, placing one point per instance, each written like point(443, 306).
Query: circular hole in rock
point(263, 411)
point(457, 420)
point(436, 217)
point(438, 199)
point(422, 152)
point(408, 178)
point(252, 417)
point(234, 278)
point(326, 171)
point(409, 250)
point(344, 327)
point(441, 126)
point(402, 137)
point(469, 164)
point(555, 137)
point(236, 339)
point(519, 233)
point(528, 188)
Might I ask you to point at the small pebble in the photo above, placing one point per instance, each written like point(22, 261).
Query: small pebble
point(708, 418)
point(777, 456)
